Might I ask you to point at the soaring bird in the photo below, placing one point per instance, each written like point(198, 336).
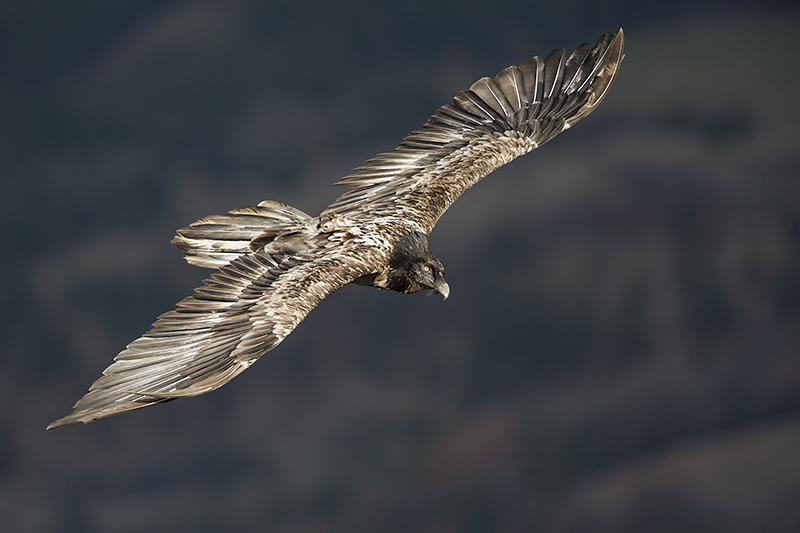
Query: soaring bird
point(274, 263)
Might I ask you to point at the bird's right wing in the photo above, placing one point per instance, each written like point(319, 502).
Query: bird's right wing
point(495, 121)
point(241, 312)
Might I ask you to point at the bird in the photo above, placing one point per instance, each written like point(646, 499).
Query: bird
point(274, 263)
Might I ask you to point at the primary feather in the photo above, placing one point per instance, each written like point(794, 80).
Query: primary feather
point(275, 263)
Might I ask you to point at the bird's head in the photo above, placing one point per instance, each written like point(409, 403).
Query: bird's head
point(413, 267)
point(429, 274)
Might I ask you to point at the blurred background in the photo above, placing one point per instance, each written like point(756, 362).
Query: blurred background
point(621, 347)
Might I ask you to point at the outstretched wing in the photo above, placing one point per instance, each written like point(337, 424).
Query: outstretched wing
point(484, 128)
point(240, 313)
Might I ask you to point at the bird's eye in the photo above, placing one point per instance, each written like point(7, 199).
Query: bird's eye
point(426, 269)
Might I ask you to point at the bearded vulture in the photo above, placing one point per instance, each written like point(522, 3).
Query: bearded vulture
point(274, 263)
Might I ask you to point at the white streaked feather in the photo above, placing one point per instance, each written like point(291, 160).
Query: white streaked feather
point(420, 183)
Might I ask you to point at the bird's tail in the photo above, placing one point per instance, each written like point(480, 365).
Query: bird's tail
point(214, 241)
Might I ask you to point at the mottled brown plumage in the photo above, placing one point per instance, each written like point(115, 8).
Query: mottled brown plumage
point(275, 263)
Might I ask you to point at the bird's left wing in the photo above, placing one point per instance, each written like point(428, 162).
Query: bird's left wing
point(484, 128)
point(241, 312)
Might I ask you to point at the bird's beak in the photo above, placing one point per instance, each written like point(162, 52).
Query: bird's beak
point(442, 287)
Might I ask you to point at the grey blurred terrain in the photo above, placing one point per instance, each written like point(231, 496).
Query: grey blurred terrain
point(621, 347)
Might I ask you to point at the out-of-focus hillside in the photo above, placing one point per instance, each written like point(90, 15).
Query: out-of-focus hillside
point(621, 348)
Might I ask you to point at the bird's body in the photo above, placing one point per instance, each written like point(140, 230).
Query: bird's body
point(275, 263)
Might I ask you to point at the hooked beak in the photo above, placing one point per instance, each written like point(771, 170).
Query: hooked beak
point(442, 287)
